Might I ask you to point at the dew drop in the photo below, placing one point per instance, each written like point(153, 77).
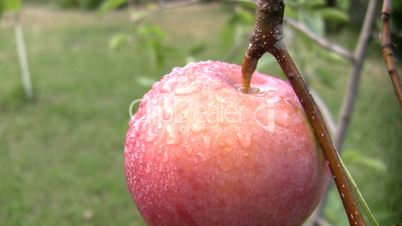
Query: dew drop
point(189, 89)
point(167, 109)
point(245, 138)
point(197, 127)
point(207, 141)
point(150, 135)
point(147, 168)
point(172, 137)
point(165, 156)
point(168, 86)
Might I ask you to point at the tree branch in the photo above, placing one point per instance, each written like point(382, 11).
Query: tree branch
point(349, 98)
point(162, 7)
point(268, 37)
point(387, 52)
point(321, 41)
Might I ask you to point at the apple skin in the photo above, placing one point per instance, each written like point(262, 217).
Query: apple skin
point(200, 152)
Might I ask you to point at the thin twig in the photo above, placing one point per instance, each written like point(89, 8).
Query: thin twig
point(349, 98)
point(321, 41)
point(387, 52)
point(268, 37)
point(162, 7)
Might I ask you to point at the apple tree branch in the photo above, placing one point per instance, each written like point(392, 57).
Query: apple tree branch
point(387, 52)
point(268, 37)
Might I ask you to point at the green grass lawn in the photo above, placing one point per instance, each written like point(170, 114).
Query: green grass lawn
point(61, 156)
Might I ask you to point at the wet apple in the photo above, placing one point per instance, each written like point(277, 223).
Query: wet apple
point(201, 152)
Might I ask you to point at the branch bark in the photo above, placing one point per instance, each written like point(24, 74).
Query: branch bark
point(387, 52)
point(268, 37)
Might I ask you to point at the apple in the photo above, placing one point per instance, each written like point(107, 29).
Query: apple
point(199, 151)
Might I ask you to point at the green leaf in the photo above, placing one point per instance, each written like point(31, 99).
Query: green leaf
point(245, 4)
point(355, 157)
point(118, 40)
point(11, 5)
point(227, 35)
point(313, 21)
point(110, 5)
point(312, 3)
point(145, 81)
point(197, 49)
point(334, 14)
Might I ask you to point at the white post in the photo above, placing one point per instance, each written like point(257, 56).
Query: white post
point(22, 56)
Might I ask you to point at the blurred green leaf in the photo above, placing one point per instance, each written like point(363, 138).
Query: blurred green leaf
point(334, 14)
point(110, 5)
point(118, 40)
point(290, 12)
point(312, 3)
point(145, 81)
point(245, 4)
point(10, 5)
point(227, 35)
point(313, 21)
point(197, 49)
point(355, 157)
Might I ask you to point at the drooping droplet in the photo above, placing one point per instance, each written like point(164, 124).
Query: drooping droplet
point(172, 137)
point(189, 89)
point(167, 109)
point(198, 126)
point(147, 168)
point(150, 135)
point(165, 156)
point(245, 138)
point(168, 86)
point(207, 141)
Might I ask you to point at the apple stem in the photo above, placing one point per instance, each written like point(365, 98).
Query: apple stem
point(268, 37)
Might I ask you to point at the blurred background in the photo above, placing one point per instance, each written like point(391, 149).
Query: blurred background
point(64, 98)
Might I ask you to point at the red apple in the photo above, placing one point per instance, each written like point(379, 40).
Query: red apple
point(200, 152)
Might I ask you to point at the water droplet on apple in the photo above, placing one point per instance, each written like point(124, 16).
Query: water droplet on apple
point(165, 156)
point(147, 168)
point(172, 137)
point(245, 138)
point(150, 135)
point(168, 86)
point(207, 141)
point(189, 89)
point(198, 127)
point(167, 110)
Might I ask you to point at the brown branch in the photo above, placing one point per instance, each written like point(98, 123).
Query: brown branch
point(349, 97)
point(268, 37)
point(387, 52)
point(321, 41)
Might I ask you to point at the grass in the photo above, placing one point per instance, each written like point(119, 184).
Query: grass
point(61, 159)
